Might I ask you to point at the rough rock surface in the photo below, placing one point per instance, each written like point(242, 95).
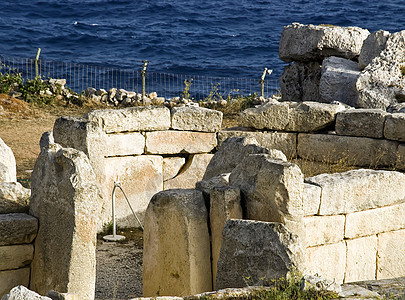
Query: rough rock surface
point(272, 115)
point(22, 293)
point(14, 198)
point(394, 127)
point(12, 278)
point(372, 47)
point(8, 171)
point(16, 256)
point(196, 119)
point(17, 228)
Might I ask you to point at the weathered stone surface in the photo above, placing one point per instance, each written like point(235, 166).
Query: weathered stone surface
point(347, 150)
point(14, 198)
point(382, 82)
point(315, 42)
point(205, 186)
point(15, 256)
point(22, 293)
point(230, 154)
point(140, 118)
point(196, 119)
point(338, 80)
point(391, 258)
point(176, 258)
point(272, 115)
point(276, 250)
point(361, 259)
point(174, 142)
point(358, 190)
point(140, 177)
point(11, 278)
point(328, 261)
point(361, 122)
point(172, 166)
point(400, 164)
point(372, 47)
point(322, 230)
point(17, 228)
point(300, 81)
point(374, 221)
point(8, 171)
point(124, 144)
point(225, 204)
point(394, 128)
point(311, 199)
point(286, 142)
point(272, 188)
point(192, 172)
point(65, 198)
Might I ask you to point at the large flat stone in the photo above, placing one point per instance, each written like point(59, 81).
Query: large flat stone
point(361, 259)
point(14, 198)
point(16, 256)
point(8, 170)
point(394, 128)
point(320, 230)
point(196, 119)
point(391, 258)
point(132, 143)
point(17, 228)
point(12, 278)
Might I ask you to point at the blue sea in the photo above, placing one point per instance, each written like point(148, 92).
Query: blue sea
point(211, 37)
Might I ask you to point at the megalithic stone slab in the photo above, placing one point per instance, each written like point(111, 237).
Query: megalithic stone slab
point(196, 119)
point(8, 170)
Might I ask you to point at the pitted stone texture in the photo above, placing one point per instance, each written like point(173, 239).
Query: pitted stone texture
point(8, 171)
point(314, 42)
point(174, 142)
point(361, 122)
point(196, 119)
point(276, 250)
point(322, 230)
point(192, 172)
point(66, 200)
point(17, 228)
point(359, 223)
point(372, 47)
point(382, 82)
point(391, 258)
point(394, 128)
point(220, 181)
point(132, 143)
point(16, 256)
point(140, 118)
point(347, 150)
point(311, 199)
point(22, 293)
point(272, 189)
point(14, 198)
point(361, 259)
point(286, 142)
point(172, 166)
point(272, 115)
point(338, 80)
point(300, 81)
point(11, 278)
point(176, 258)
point(358, 190)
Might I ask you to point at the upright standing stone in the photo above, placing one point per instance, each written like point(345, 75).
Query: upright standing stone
point(8, 171)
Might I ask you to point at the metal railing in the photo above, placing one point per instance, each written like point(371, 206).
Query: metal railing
point(81, 76)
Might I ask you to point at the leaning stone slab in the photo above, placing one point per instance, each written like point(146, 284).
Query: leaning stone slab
point(8, 171)
point(176, 257)
point(394, 128)
point(17, 228)
point(196, 119)
point(140, 118)
point(22, 293)
point(322, 230)
point(11, 278)
point(361, 122)
point(14, 198)
point(16, 256)
point(125, 144)
point(254, 251)
point(390, 259)
point(272, 115)
point(372, 47)
point(174, 142)
point(314, 42)
point(361, 259)
point(65, 198)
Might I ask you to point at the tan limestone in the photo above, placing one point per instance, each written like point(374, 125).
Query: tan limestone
point(196, 119)
point(12, 278)
point(16, 256)
point(391, 258)
point(361, 259)
point(322, 230)
point(172, 166)
point(311, 199)
point(132, 143)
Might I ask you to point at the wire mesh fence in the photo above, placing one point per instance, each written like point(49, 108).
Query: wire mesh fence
point(81, 76)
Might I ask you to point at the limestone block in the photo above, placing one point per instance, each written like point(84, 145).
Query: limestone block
point(11, 278)
point(361, 259)
point(196, 119)
point(391, 258)
point(394, 128)
point(322, 230)
point(311, 199)
point(358, 190)
point(15, 256)
point(314, 42)
point(14, 198)
point(347, 150)
point(361, 122)
point(124, 144)
point(272, 188)
point(384, 219)
point(230, 154)
point(338, 80)
point(174, 142)
point(176, 258)
point(328, 261)
point(254, 251)
point(17, 228)
point(272, 115)
point(140, 118)
point(300, 81)
point(372, 47)
point(225, 204)
point(141, 177)
point(8, 170)
point(172, 166)
point(286, 142)
point(205, 186)
point(22, 293)
point(66, 199)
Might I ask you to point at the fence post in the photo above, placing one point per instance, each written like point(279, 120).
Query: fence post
point(143, 73)
point(36, 63)
point(265, 71)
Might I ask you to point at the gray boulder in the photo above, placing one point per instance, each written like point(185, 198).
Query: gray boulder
point(372, 47)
